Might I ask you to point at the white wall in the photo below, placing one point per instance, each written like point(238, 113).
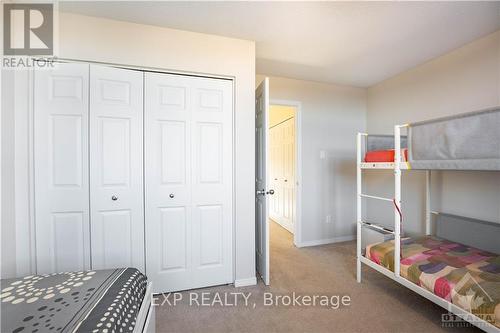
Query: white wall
point(15, 218)
point(466, 79)
point(102, 40)
point(331, 117)
point(8, 257)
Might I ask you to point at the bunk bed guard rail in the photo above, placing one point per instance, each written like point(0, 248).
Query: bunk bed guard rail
point(469, 141)
point(383, 142)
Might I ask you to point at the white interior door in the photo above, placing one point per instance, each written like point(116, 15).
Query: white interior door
point(188, 158)
point(261, 179)
point(116, 186)
point(61, 168)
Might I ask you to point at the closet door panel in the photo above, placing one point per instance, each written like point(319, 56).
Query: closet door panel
point(289, 172)
point(212, 187)
point(168, 181)
point(274, 176)
point(281, 167)
point(61, 168)
point(66, 161)
point(188, 151)
point(173, 228)
point(112, 239)
point(68, 232)
point(173, 152)
point(116, 187)
point(113, 136)
point(210, 228)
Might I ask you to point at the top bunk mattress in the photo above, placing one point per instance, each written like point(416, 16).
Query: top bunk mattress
point(463, 275)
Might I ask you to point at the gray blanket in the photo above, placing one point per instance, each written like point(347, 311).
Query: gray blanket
point(92, 301)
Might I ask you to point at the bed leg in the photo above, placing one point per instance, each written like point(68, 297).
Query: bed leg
point(359, 210)
point(358, 270)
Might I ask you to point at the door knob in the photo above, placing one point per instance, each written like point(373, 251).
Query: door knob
point(114, 198)
point(261, 192)
point(271, 192)
point(171, 195)
point(286, 180)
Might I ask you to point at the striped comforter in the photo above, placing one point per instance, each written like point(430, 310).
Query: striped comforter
point(463, 275)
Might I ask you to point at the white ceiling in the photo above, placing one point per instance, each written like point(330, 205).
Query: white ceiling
point(352, 43)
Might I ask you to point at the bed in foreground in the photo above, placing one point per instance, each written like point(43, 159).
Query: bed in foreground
point(463, 275)
point(115, 300)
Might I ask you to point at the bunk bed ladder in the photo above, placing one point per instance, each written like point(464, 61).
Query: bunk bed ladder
point(397, 230)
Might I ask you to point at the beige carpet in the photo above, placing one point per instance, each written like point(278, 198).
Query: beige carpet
point(378, 304)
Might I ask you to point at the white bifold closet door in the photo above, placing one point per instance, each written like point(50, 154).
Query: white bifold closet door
point(61, 168)
point(116, 174)
point(88, 202)
point(188, 158)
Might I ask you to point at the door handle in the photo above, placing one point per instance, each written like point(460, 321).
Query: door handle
point(114, 198)
point(271, 192)
point(171, 195)
point(261, 192)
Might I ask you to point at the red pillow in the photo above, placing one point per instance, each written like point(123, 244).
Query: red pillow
point(384, 155)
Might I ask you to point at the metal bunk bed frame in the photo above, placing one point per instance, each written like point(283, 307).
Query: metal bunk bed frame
point(397, 166)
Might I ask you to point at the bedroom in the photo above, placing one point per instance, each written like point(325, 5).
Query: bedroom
point(190, 71)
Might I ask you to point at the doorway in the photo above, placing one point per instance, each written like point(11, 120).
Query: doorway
point(282, 166)
point(284, 172)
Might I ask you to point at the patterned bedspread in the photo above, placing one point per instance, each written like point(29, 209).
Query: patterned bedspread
point(463, 275)
point(92, 301)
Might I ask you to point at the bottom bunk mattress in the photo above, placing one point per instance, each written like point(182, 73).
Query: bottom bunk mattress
point(91, 301)
point(463, 275)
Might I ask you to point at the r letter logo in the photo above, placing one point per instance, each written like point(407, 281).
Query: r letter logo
point(28, 29)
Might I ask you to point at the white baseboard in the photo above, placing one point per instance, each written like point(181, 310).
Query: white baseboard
point(245, 282)
point(327, 241)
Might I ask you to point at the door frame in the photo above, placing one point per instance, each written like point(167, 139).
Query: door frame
point(297, 226)
point(27, 207)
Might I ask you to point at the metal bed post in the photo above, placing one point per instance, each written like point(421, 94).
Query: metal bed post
point(428, 213)
point(397, 199)
point(358, 206)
